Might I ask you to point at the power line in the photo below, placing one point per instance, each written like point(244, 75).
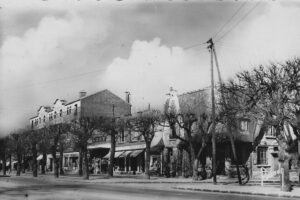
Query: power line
point(219, 30)
point(229, 20)
point(54, 80)
point(234, 26)
point(194, 45)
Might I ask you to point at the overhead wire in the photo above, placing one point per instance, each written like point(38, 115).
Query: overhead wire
point(220, 29)
point(54, 80)
point(230, 19)
point(238, 22)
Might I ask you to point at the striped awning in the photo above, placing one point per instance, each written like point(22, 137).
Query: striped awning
point(125, 154)
point(117, 154)
point(136, 153)
point(40, 157)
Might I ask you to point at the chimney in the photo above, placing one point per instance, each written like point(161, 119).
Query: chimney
point(127, 97)
point(82, 94)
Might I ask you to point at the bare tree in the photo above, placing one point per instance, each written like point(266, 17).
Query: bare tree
point(83, 129)
point(44, 146)
point(147, 124)
point(3, 150)
point(195, 122)
point(111, 126)
point(33, 137)
point(270, 94)
point(18, 147)
point(56, 132)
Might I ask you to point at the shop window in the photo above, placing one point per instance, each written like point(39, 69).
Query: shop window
point(262, 155)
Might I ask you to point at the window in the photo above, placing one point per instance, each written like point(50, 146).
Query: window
point(60, 113)
point(262, 155)
point(244, 125)
point(142, 138)
point(55, 115)
point(40, 120)
point(70, 110)
point(50, 116)
point(44, 119)
point(122, 136)
point(75, 113)
point(31, 123)
point(271, 132)
point(134, 136)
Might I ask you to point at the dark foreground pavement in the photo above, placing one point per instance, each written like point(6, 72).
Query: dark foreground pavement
point(41, 189)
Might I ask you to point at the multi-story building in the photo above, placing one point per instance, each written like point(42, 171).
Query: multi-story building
point(103, 103)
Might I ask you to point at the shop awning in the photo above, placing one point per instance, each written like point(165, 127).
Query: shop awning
point(40, 157)
point(117, 154)
point(107, 155)
point(125, 154)
point(136, 153)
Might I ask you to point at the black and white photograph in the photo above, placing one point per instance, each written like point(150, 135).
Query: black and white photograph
point(149, 99)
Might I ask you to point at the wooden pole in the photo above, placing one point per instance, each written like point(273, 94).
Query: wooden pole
point(214, 160)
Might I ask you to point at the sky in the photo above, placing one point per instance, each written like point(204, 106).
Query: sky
point(54, 49)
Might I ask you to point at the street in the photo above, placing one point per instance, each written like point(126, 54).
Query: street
point(30, 189)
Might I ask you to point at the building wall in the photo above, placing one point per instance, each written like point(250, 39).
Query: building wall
point(104, 103)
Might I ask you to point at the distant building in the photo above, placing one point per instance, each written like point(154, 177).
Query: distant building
point(103, 103)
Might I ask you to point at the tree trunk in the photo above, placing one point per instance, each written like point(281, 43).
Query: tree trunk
point(24, 164)
point(80, 162)
point(34, 161)
point(10, 164)
point(179, 163)
point(61, 157)
point(194, 161)
point(167, 162)
point(284, 176)
point(283, 158)
point(55, 163)
point(112, 154)
point(44, 162)
point(4, 162)
point(235, 156)
point(19, 158)
point(86, 164)
point(147, 163)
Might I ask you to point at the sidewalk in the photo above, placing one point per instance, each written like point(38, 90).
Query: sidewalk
point(224, 185)
point(273, 191)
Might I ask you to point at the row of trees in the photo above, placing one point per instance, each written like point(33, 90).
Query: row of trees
point(26, 144)
point(267, 94)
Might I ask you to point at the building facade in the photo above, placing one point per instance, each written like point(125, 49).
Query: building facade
point(103, 103)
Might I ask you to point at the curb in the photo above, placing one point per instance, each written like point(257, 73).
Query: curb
point(238, 192)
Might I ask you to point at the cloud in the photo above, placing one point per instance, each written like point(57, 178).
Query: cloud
point(272, 36)
point(151, 69)
point(56, 48)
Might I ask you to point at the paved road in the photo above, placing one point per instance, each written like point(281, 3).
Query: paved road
point(41, 190)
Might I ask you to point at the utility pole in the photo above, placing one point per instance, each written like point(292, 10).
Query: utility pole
point(213, 140)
